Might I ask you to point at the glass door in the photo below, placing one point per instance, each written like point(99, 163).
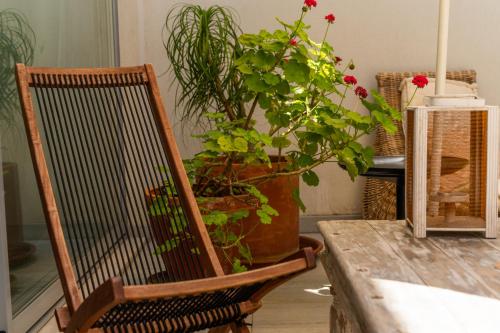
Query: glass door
point(52, 33)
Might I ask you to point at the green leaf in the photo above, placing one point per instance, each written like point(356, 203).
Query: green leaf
point(215, 217)
point(265, 101)
point(271, 79)
point(245, 69)
point(248, 39)
point(278, 118)
point(311, 148)
point(285, 25)
point(255, 83)
point(273, 46)
point(245, 252)
point(335, 122)
point(357, 117)
point(240, 145)
point(238, 267)
point(385, 121)
point(282, 87)
point(310, 178)
point(296, 72)
point(298, 200)
point(264, 217)
point(269, 210)
point(305, 160)
point(266, 139)
point(225, 143)
point(281, 142)
point(256, 193)
point(212, 146)
point(263, 60)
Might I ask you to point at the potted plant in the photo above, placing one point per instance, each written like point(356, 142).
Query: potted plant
point(226, 80)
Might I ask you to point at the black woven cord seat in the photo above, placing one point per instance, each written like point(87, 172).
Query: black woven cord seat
point(179, 314)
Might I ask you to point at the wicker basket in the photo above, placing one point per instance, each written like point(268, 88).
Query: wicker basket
point(379, 200)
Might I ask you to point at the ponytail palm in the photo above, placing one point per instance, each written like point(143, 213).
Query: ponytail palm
point(202, 45)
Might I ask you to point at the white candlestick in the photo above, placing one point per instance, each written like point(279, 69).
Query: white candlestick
point(442, 51)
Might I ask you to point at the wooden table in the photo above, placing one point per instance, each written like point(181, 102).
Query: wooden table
point(385, 280)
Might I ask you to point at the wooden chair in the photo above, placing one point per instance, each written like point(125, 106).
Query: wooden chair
point(98, 138)
point(379, 200)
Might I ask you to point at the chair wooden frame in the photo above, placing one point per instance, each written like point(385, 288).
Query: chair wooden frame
point(81, 313)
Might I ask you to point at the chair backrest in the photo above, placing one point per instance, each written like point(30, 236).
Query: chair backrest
point(99, 140)
point(388, 86)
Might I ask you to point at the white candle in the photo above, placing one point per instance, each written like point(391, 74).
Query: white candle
point(442, 49)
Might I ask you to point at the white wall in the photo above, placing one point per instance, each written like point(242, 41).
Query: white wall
point(380, 35)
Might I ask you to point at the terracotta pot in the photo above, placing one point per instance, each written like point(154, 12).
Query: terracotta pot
point(272, 242)
point(269, 243)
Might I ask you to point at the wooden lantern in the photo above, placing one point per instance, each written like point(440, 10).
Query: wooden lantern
point(452, 169)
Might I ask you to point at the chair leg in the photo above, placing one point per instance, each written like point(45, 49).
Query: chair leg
point(239, 328)
point(220, 329)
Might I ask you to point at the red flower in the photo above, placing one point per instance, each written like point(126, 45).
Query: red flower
point(310, 3)
point(293, 42)
point(361, 92)
point(349, 79)
point(338, 59)
point(330, 18)
point(420, 81)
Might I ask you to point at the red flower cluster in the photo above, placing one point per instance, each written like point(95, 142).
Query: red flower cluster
point(361, 92)
point(420, 81)
point(330, 18)
point(310, 3)
point(293, 42)
point(349, 79)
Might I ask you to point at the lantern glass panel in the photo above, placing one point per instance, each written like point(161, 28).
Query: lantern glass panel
point(456, 169)
point(452, 164)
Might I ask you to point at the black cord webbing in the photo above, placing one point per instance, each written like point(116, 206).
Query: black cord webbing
point(179, 314)
point(105, 152)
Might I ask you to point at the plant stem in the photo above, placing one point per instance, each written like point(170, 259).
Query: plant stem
point(225, 101)
point(412, 96)
point(252, 109)
point(291, 173)
point(342, 99)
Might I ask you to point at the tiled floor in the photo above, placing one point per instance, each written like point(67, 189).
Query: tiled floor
point(299, 306)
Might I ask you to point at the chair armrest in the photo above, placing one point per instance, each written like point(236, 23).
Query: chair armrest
point(195, 287)
point(307, 253)
point(103, 299)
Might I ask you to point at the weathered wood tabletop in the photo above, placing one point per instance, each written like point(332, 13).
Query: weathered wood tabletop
point(382, 276)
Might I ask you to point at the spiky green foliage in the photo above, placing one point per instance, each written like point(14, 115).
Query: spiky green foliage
point(202, 45)
point(17, 45)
